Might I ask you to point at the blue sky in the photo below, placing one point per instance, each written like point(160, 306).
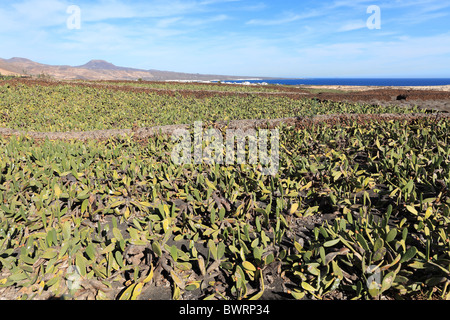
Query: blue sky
point(236, 37)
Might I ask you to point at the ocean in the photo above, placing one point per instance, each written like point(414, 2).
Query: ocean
point(355, 82)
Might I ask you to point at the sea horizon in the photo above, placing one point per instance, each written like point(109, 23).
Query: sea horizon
point(350, 81)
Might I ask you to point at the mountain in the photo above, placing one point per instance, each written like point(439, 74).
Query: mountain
point(4, 72)
point(16, 66)
point(100, 65)
point(98, 70)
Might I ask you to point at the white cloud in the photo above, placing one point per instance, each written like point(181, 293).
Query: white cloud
point(204, 21)
point(164, 23)
point(353, 25)
point(286, 18)
point(33, 14)
point(146, 9)
point(350, 3)
point(209, 2)
point(254, 7)
point(39, 9)
point(274, 22)
point(404, 56)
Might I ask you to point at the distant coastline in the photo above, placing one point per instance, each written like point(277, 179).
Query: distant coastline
point(240, 80)
point(353, 81)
